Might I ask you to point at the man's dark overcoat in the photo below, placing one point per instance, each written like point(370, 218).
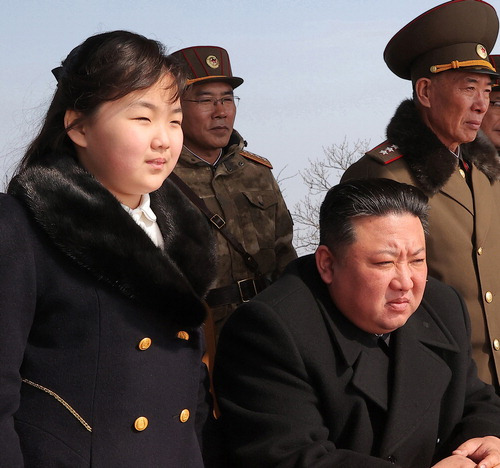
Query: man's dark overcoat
point(300, 386)
point(102, 326)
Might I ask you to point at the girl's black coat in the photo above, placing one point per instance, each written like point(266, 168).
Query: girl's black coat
point(81, 286)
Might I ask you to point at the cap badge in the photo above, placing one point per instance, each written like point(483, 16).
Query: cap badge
point(212, 61)
point(481, 51)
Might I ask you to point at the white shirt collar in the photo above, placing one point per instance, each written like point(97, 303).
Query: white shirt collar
point(144, 216)
point(144, 208)
point(457, 154)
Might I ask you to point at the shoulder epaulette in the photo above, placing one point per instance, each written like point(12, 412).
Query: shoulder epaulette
point(385, 153)
point(256, 158)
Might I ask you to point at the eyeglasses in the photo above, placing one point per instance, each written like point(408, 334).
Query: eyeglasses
point(207, 104)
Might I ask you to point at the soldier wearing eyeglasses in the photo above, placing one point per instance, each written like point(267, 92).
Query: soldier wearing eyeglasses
point(433, 143)
point(491, 121)
point(236, 185)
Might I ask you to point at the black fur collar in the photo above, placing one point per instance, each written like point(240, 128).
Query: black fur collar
point(430, 162)
point(87, 224)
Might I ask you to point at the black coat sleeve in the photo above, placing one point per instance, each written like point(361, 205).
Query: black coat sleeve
point(481, 406)
point(17, 308)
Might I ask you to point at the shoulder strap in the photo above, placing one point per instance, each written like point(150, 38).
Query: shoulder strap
point(256, 158)
point(385, 153)
point(216, 221)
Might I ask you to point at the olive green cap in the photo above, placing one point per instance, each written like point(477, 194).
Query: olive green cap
point(455, 35)
point(495, 60)
point(207, 63)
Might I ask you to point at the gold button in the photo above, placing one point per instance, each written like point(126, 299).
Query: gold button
point(462, 173)
point(144, 344)
point(141, 423)
point(184, 416)
point(496, 345)
point(183, 335)
point(479, 250)
point(489, 297)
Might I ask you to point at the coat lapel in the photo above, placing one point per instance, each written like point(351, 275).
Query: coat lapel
point(421, 376)
point(370, 376)
point(360, 352)
point(457, 189)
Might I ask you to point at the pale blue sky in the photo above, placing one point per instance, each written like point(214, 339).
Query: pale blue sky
point(313, 70)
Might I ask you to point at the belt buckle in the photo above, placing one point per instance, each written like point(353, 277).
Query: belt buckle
point(246, 297)
point(217, 221)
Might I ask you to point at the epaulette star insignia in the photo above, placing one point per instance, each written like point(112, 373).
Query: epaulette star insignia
point(385, 153)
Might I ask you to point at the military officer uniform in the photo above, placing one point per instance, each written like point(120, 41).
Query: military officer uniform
point(242, 193)
point(463, 247)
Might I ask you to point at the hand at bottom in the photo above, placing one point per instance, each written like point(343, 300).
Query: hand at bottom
point(485, 451)
point(455, 461)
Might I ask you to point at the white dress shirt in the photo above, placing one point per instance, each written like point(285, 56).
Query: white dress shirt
point(143, 215)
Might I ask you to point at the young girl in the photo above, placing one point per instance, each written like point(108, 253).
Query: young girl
point(101, 276)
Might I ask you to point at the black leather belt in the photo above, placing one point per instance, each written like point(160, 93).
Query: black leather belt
point(241, 291)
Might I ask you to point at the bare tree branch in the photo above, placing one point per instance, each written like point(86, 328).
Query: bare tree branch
point(281, 177)
point(318, 177)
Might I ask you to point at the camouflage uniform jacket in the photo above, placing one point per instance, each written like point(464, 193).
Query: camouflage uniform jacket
point(242, 190)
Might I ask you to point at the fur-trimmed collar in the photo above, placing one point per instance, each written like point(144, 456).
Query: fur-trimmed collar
point(87, 223)
point(430, 162)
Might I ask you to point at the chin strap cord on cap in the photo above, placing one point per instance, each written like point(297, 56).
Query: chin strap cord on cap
point(457, 64)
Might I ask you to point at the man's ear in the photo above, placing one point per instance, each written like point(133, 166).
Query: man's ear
point(324, 263)
point(75, 131)
point(423, 90)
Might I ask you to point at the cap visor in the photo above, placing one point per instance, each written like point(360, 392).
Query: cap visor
point(234, 81)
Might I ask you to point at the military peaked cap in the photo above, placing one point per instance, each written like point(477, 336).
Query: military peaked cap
point(455, 35)
point(207, 63)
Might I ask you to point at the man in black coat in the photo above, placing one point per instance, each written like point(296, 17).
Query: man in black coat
point(346, 362)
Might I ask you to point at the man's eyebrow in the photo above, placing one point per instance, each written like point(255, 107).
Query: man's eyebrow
point(395, 251)
point(471, 79)
point(419, 251)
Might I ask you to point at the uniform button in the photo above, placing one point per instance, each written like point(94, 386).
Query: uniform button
point(496, 345)
point(479, 250)
point(183, 335)
point(144, 344)
point(462, 173)
point(391, 459)
point(184, 416)
point(488, 296)
point(141, 423)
